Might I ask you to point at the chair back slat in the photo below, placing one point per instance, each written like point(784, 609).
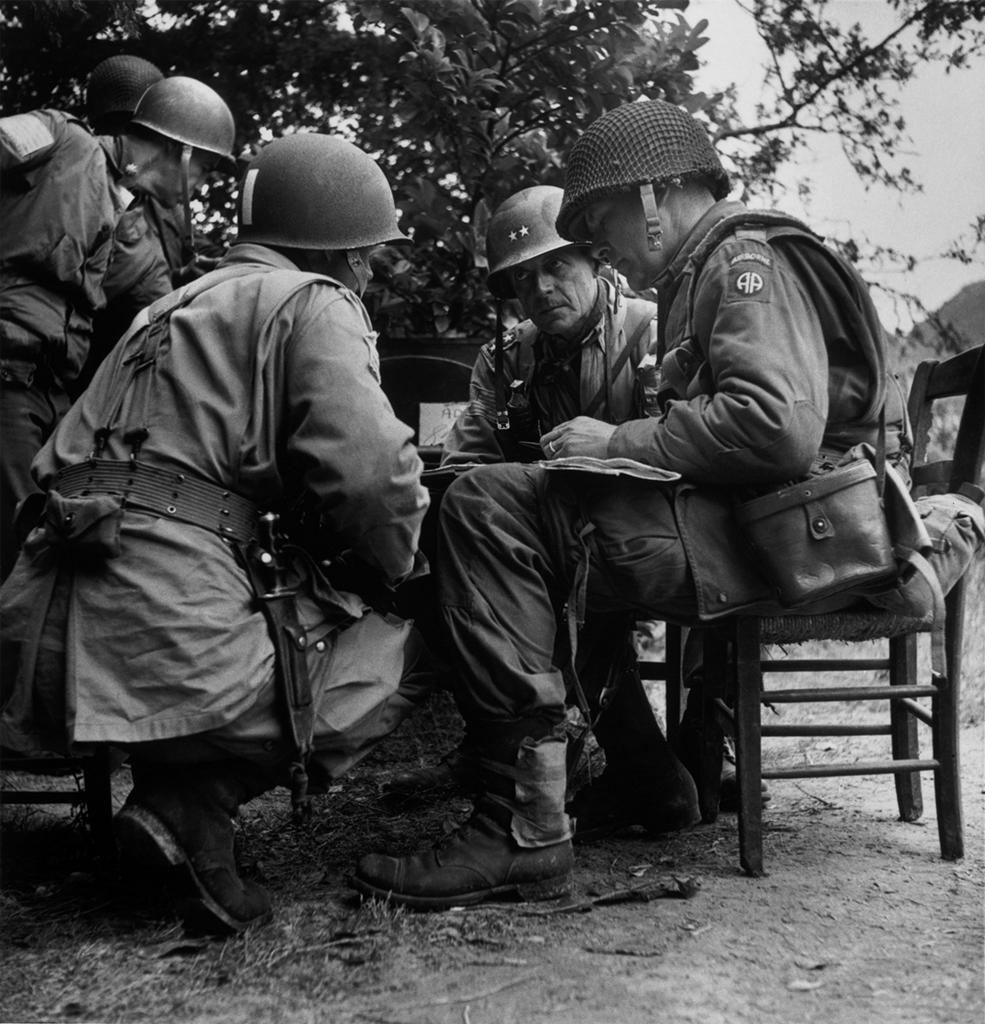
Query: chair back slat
point(960, 375)
point(969, 447)
point(932, 473)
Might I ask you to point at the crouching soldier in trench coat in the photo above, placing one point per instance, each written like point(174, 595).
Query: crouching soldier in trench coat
point(139, 611)
point(771, 382)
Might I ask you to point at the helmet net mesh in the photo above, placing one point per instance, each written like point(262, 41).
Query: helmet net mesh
point(117, 83)
point(650, 141)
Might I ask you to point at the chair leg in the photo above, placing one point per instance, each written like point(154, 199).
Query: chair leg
point(96, 772)
point(946, 734)
point(714, 691)
point(748, 681)
point(905, 739)
point(674, 683)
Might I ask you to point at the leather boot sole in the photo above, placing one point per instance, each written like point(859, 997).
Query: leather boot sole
point(147, 841)
point(541, 889)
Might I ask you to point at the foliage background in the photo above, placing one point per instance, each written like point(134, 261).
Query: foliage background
point(466, 101)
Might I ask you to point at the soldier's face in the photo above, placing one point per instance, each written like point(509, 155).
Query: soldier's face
point(617, 229)
point(557, 290)
point(358, 261)
point(161, 176)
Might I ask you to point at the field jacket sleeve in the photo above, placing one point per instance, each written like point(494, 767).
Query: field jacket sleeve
point(355, 456)
point(749, 384)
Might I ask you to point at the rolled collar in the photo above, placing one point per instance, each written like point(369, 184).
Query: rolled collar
point(722, 209)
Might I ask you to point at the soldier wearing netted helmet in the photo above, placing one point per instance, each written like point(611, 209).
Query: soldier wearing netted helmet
point(225, 661)
point(114, 88)
point(637, 149)
point(774, 371)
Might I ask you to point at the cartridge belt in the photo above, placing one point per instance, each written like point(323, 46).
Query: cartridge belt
point(168, 493)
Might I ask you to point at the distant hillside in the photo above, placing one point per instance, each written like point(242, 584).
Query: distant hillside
point(957, 325)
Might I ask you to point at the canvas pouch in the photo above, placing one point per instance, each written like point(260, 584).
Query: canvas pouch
point(822, 536)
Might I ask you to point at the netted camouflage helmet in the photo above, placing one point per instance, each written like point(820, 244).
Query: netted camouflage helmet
point(648, 141)
point(520, 228)
point(311, 191)
point(115, 86)
point(190, 112)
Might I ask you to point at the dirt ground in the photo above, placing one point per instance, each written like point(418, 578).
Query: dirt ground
point(859, 921)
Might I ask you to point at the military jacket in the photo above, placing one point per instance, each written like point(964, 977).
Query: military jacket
point(268, 386)
point(608, 386)
point(59, 204)
point(754, 396)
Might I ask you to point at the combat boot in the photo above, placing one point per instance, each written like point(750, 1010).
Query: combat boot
point(479, 861)
point(689, 751)
point(644, 784)
point(177, 821)
point(518, 841)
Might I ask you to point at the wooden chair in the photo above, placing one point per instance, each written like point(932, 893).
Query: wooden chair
point(734, 667)
point(91, 790)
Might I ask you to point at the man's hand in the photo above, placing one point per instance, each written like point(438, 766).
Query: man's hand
point(580, 436)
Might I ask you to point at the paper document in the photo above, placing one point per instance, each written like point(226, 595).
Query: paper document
point(443, 475)
point(611, 467)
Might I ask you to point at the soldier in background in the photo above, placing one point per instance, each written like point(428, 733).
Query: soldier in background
point(62, 195)
point(154, 248)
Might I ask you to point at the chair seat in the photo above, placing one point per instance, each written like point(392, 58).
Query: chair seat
point(849, 625)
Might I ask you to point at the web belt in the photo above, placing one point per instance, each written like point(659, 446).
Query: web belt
point(168, 493)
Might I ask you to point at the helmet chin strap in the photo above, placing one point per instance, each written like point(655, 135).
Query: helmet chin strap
point(654, 232)
point(360, 269)
point(186, 194)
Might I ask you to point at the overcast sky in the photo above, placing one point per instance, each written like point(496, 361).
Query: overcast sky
point(945, 114)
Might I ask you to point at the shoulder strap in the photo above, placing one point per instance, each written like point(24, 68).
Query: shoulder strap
point(148, 337)
point(522, 332)
point(631, 348)
point(827, 277)
point(752, 224)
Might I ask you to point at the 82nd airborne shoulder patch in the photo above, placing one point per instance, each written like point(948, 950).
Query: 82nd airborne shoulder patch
point(749, 277)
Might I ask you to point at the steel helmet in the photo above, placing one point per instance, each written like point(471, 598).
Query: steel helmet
point(312, 191)
point(188, 111)
point(115, 86)
point(649, 141)
point(521, 227)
